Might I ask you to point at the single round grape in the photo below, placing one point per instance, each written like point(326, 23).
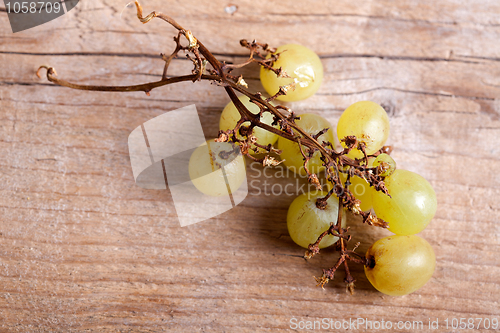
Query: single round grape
point(303, 67)
point(207, 162)
point(230, 116)
point(306, 221)
point(386, 164)
point(411, 206)
point(400, 265)
point(291, 155)
point(369, 122)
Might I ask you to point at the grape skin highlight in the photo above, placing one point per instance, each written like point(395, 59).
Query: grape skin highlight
point(400, 265)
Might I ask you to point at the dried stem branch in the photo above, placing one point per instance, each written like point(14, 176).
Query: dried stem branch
point(334, 162)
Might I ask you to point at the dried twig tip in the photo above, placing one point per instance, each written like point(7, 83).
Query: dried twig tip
point(321, 281)
point(270, 161)
point(242, 82)
point(193, 42)
point(313, 179)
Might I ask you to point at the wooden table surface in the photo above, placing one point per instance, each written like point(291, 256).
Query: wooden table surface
point(83, 248)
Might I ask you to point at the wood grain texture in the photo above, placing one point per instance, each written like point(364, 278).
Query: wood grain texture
point(82, 248)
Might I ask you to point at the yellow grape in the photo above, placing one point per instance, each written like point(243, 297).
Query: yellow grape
point(369, 122)
point(412, 206)
point(400, 265)
point(303, 67)
point(205, 166)
point(291, 155)
point(230, 116)
point(362, 191)
point(306, 222)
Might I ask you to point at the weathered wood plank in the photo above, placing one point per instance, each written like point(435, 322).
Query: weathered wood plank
point(83, 248)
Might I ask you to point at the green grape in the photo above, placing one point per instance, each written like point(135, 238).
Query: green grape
point(369, 122)
point(412, 206)
point(400, 265)
point(306, 222)
point(207, 162)
point(386, 163)
point(291, 155)
point(230, 116)
point(303, 67)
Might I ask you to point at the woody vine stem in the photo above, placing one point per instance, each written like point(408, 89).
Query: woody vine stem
point(208, 67)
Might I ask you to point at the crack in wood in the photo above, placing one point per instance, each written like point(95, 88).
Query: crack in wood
point(242, 55)
point(410, 92)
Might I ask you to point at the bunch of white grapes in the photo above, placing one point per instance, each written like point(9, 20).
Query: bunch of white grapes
point(396, 265)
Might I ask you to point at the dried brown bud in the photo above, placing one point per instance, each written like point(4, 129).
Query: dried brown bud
point(193, 42)
point(322, 281)
point(281, 73)
point(382, 167)
point(287, 88)
point(355, 207)
point(270, 161)
point(371, 219)
point(223, 137)
point(242, 82)
point(252, 139)
point(349, 141)
point(203, 66)
point(313, 179)
point(382, 188)
point(386, 149)
point(312, 250)
point(350, 288)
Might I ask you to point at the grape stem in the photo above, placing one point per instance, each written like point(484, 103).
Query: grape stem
point(345, 255)
point(219, 73)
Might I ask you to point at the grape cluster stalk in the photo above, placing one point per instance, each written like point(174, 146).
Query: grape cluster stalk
point(339, 168)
